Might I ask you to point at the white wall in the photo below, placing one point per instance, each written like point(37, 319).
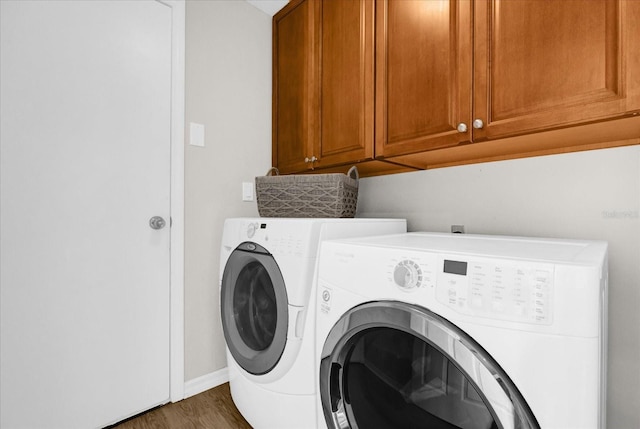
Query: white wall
point(590, 195)
point(228, 89)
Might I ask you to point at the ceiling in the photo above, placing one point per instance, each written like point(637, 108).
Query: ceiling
point(269, 7)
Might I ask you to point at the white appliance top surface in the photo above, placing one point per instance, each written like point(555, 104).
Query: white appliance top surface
point(311, 220)
point(541, 249)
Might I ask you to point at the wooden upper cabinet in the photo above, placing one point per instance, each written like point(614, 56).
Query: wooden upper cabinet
point(423, 74)
point(323, 83)
point(295, 97)
point(546, 64)
point(500, 69)
point(441, 82)
point(347, 82)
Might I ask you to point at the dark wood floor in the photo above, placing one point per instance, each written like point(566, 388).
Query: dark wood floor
point(213, 409)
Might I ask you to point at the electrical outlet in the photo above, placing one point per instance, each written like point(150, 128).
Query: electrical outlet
point(457, 229)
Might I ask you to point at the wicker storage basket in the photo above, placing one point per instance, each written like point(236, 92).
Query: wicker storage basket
point(308, 195)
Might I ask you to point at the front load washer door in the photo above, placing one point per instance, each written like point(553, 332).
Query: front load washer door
point(390, 364)
point(254, 308)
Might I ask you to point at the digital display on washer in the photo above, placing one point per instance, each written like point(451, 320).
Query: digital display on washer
point(455, 267)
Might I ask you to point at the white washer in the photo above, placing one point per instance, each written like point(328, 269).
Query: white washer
point(446, 330)
point(267, 268)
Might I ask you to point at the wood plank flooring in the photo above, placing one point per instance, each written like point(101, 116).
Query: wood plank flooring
point(212, 409)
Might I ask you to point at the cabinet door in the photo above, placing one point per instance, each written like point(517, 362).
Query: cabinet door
point(545, 64)
point(423, 74)
point(295, 98)
point(347, 82)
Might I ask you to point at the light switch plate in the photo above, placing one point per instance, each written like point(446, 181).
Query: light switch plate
point(247, 191)
point(196, 134)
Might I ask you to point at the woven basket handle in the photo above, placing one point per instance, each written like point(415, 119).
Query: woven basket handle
point(353, 173)
point(273, 170)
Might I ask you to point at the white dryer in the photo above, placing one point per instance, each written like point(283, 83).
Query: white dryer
point(425, 330)
point(267, 268)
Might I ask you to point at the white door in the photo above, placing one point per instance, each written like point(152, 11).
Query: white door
point(85, 163)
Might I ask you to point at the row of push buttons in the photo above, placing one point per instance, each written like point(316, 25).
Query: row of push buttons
point(506, 292)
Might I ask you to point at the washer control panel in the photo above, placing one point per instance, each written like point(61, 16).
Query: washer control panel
point(502, 289)
point(278, 241)
point(498, 289)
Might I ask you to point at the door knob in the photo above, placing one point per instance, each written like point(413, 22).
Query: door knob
point(478, 124)
point(157, 222)
point(462, 127)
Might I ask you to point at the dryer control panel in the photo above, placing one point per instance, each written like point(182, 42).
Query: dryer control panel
point(497, 289)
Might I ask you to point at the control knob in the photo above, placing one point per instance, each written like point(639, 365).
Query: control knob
point(407, 274)
point(251, 230)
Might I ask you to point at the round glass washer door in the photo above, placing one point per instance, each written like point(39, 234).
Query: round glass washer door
point(390, 365)
point(254, 308)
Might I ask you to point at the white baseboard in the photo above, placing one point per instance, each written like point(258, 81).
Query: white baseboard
point(205, 382)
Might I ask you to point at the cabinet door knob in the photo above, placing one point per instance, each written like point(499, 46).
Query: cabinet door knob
point(313, 158)
point(478, 124)
point(462, 127)
point(306, 159)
